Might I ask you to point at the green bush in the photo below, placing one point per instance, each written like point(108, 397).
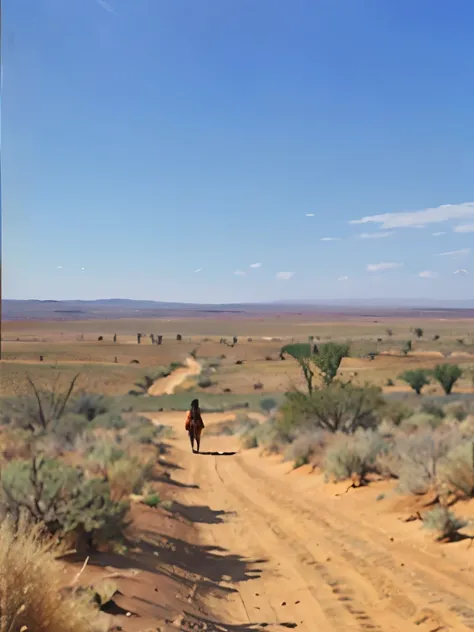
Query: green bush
point(152, 500)
point(337, 408)
point(419, 421)
point(444, 522)
point(64, 500)
point(416, 379)
point(89, 405)
point(347, 456)
point(407, 347)
point(447, 375)
point(109, 421)
point(329, 358)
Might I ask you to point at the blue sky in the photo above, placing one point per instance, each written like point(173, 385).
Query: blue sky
point(146, 139)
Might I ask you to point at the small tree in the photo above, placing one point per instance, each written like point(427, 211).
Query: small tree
point(447, 375)
point(389, 332)
point(329, 359)
point(268, 404)
point(416, 378)
point(418, 332)
point(406, 347)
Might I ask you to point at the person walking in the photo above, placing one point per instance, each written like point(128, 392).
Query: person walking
point(194, 424)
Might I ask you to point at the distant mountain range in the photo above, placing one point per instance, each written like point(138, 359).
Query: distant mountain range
point(129, 308)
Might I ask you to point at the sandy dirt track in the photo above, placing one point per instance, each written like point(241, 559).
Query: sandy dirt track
point(306, 561)
point(167, 385)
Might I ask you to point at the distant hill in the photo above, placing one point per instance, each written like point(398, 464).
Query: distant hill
point(128, 308)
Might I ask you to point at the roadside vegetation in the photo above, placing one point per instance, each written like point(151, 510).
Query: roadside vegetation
point(354, 433)
point(70, 467)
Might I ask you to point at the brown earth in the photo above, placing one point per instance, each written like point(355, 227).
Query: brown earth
point(253, 545)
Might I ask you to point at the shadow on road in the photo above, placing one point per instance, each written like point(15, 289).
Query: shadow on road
point(200, 513)
point(215, 453)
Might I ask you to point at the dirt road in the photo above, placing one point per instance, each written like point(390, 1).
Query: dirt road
point(298, 557)
point(167, 385)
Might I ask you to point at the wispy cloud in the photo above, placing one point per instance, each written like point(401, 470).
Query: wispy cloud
point(240, 273)
point(343, 278)
point(59, 267)
point(419, 218)
point(438, 234)
point(376, 267)
point(464, 228)
point(330, 239)
point(255, 265)
point(427, 274)
point(455, 253)
point(309, 214)
point(462, 271)
point(284, 276)
point(380, 235)
point(106, 6)
point(198, 270)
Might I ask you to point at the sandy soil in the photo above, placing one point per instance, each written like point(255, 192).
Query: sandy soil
point(167, 385)
point(316, 559)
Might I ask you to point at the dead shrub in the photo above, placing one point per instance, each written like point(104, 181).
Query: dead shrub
point(355, 455)
point(30, 585)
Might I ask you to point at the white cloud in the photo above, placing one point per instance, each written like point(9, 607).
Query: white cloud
point(464, 228)
point(412, 219)
point(462, 271)
point(59, 267)
point(240, 273)
point(284, 276)
point(438, 234)
point(255, 265)
point(376, 267)
point(343, 278)
point(107, 6)
point(427, 274)
point(198, 270)
point(309, 214)
point(380, 235)
point(330, 239)
point(82, 268)
point(455, 253)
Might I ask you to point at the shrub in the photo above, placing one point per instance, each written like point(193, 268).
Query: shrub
point(348, 456)
point(458, 410)
point(31, 582)
point(152, 500)
point(266, 435)
point(268, 404)
point(104, 452)
point(458, 470)
point(109, 421)
point(389, 382)
point(89, 405)
point(419, 421)
point(337, 408)
point(444, 522)
point(415, 460)
point(204, 382)
point(416, 379)
point(418, 332)
point(60, 497)
point(433, 409)
point(406, 347)
point(37, 411)
point(395, 412)
point(307, 447)
point(447, 375)
point(127, 476)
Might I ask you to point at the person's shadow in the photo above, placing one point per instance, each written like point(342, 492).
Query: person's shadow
point(201, 453)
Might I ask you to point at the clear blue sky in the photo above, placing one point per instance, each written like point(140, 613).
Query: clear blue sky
point(147, 139)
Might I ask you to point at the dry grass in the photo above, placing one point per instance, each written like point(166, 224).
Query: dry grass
point(30, 586)
point(63, 350)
